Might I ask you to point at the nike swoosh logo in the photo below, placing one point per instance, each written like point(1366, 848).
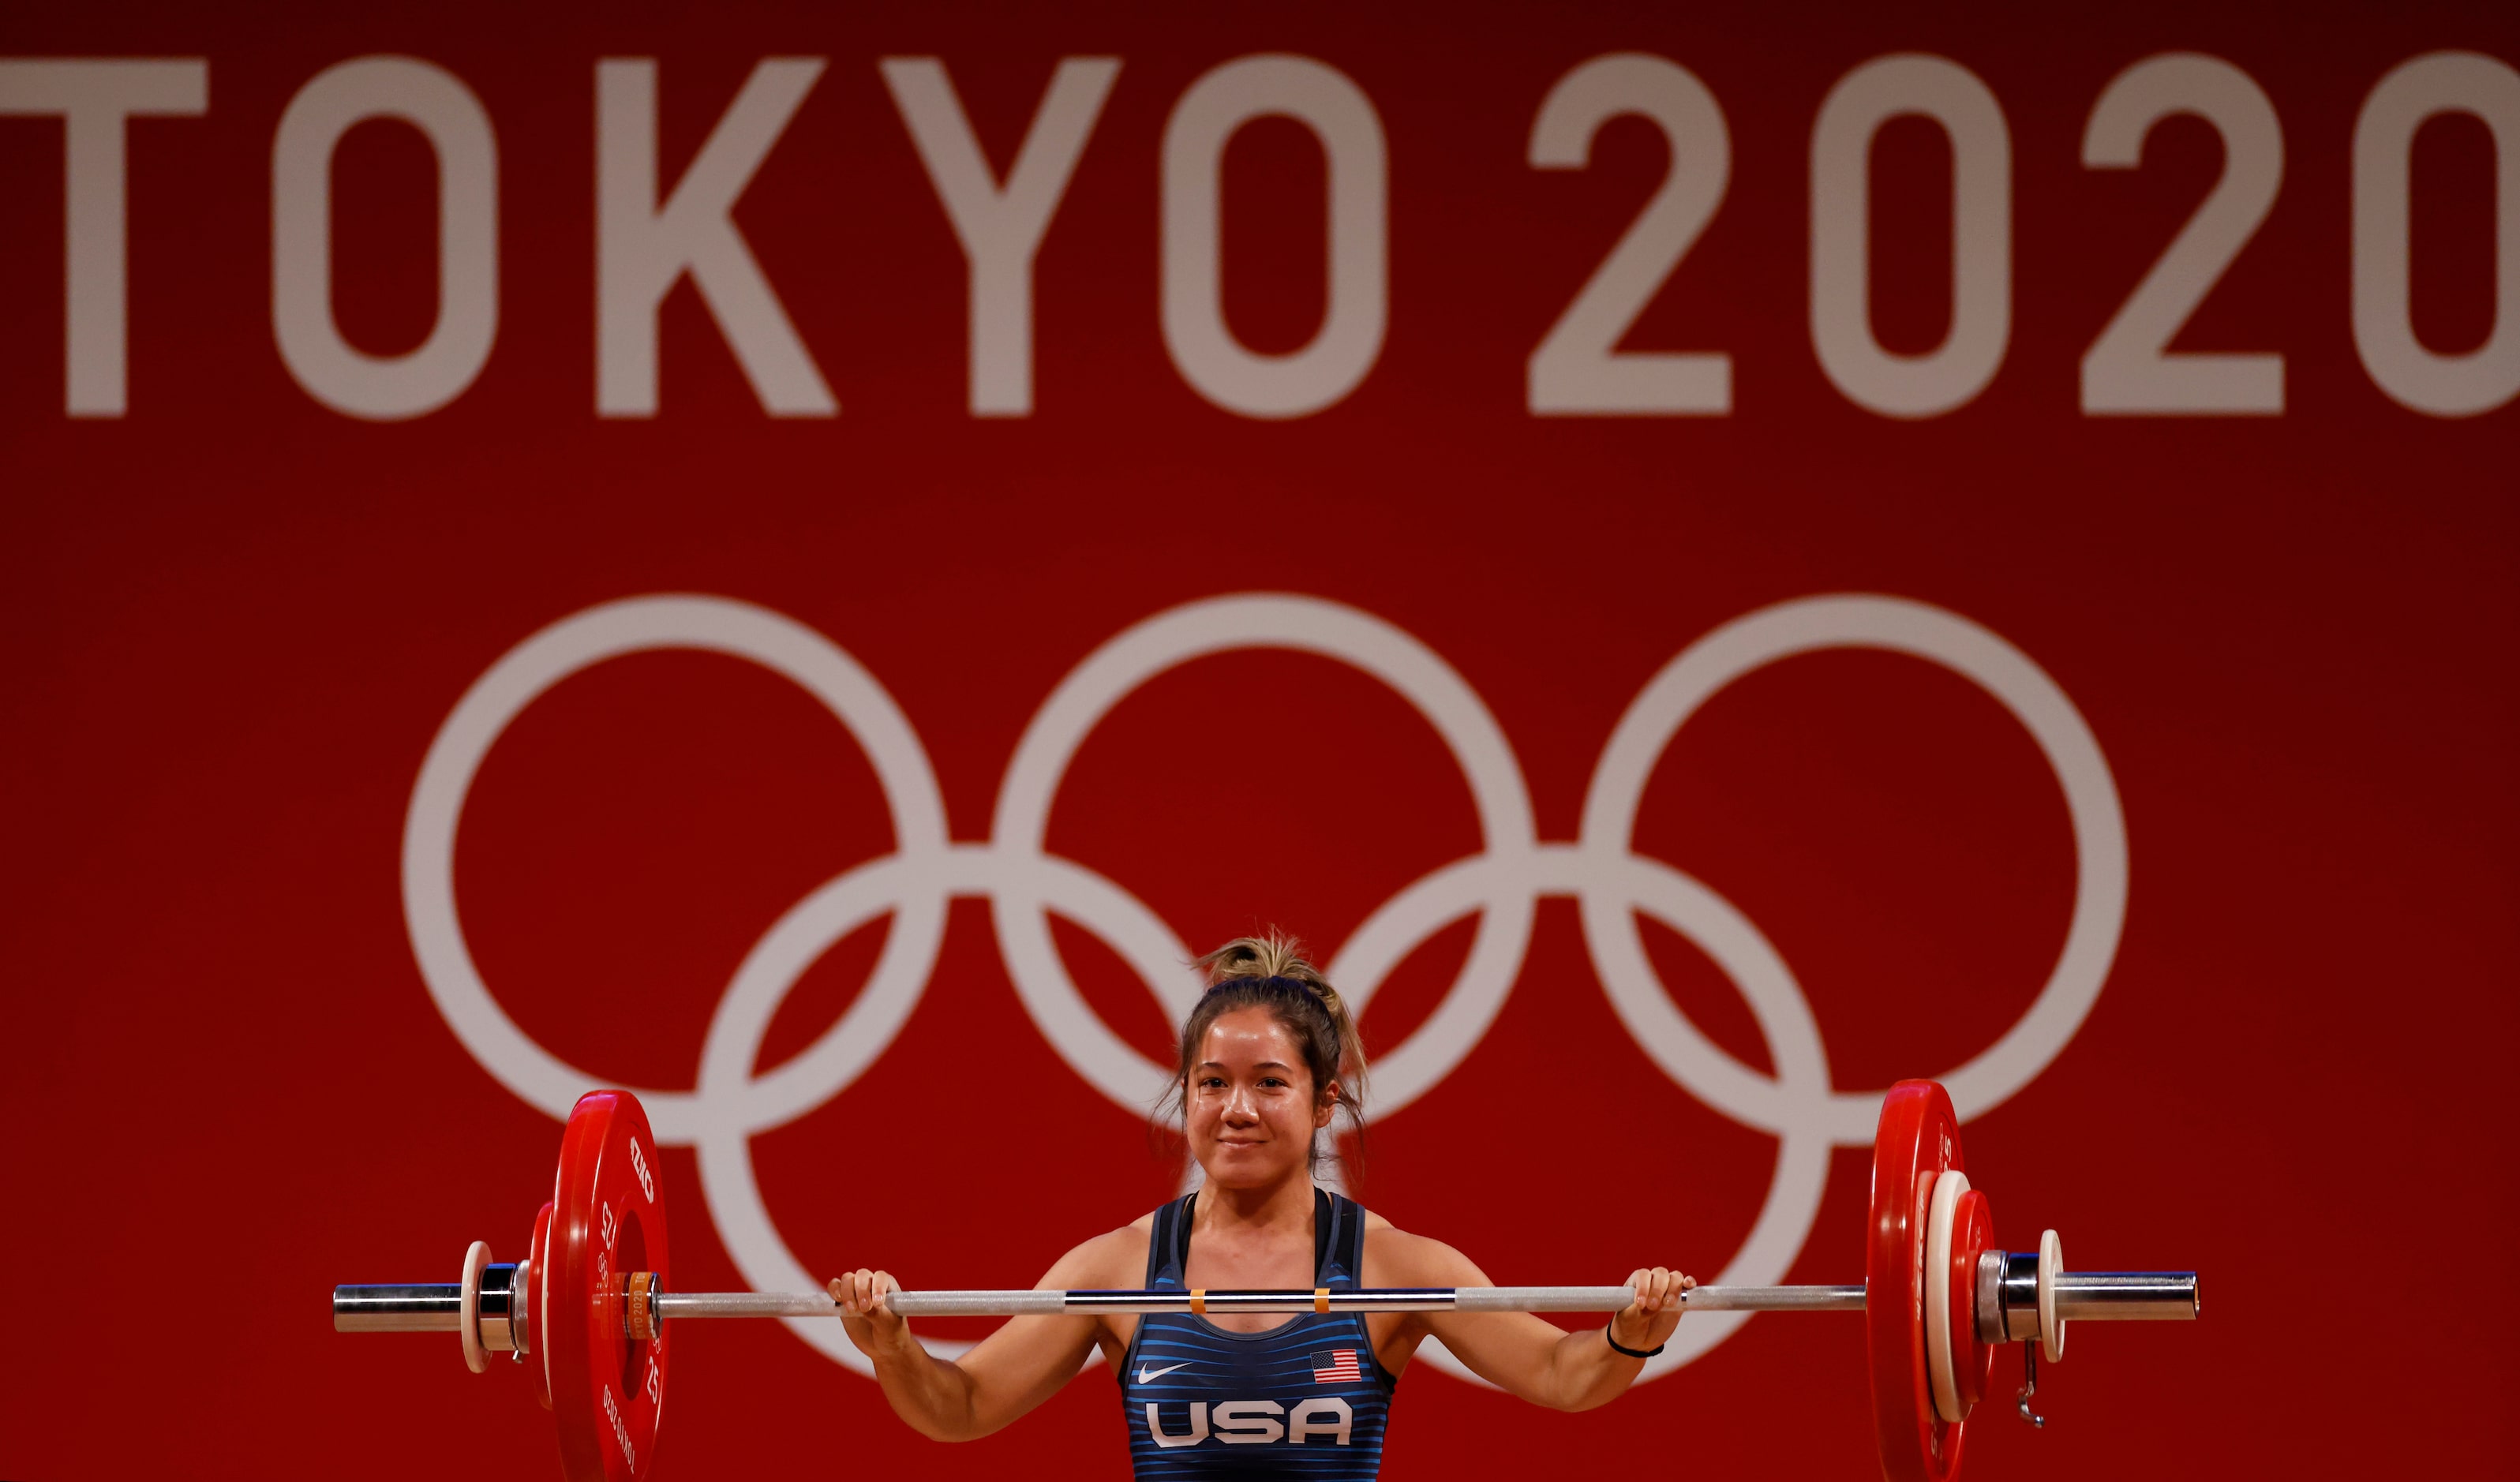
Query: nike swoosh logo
point(1144, 1373)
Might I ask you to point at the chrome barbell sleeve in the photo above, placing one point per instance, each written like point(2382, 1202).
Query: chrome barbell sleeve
point(412, 1307)
point(2127, 1296)
point(439, 1307)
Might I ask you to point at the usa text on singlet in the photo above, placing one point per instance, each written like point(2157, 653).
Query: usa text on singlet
point(1305, 1399)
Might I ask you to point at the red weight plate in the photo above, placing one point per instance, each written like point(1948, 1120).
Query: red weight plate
point(1918, 1139)
point(538, 1305)
point(608, 1389)
point(1972, 1357)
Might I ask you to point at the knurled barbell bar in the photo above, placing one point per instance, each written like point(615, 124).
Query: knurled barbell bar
point(586, 1310)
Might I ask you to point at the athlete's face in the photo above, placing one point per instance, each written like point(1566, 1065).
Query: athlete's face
point(1251, 1110)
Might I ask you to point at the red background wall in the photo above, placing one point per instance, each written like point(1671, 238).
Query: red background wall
point(235, 620)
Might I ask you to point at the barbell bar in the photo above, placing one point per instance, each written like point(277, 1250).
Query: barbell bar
point(2080, 1296)
point(1947, 1299)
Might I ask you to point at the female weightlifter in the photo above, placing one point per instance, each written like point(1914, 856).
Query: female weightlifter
point(1267, 1058)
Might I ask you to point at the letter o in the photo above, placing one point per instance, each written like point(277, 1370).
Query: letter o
point(2384, 139)
point(1203, 349)
point(1952, 374)
point(336, 373)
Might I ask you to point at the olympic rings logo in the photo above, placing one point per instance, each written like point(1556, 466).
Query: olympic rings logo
point(1024, 885)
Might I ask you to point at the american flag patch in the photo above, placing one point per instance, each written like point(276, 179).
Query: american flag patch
point(1333, 1365)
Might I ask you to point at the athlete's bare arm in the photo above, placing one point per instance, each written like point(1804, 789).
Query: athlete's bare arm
point(1518, 1352)
point(1010, 1370)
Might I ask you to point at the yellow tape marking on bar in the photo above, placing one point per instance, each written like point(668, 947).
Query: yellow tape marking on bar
point(1198, 1301)
point(1321, 1300)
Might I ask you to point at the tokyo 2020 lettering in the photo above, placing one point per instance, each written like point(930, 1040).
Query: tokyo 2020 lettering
point(652, 232)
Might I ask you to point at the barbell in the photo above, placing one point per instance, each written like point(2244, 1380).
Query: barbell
point(586, 1311)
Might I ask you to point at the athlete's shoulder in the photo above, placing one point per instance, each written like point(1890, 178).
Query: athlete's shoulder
point(1393, 1257)
point(1115, 1258)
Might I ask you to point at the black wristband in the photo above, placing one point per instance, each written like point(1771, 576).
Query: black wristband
point(1620, 1347)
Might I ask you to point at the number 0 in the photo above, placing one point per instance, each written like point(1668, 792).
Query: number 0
point(1948, 377)
point(2384, 331)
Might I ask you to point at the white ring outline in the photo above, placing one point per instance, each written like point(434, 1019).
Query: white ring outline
point(1024, 884)
point(1218, 625)
point(614, 630)
point(1900, 626)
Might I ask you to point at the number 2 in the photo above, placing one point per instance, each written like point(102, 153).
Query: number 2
point(2130, 370)
point(1577, 369)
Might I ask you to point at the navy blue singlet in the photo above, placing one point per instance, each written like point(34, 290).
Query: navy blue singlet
point(1305, 1399)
